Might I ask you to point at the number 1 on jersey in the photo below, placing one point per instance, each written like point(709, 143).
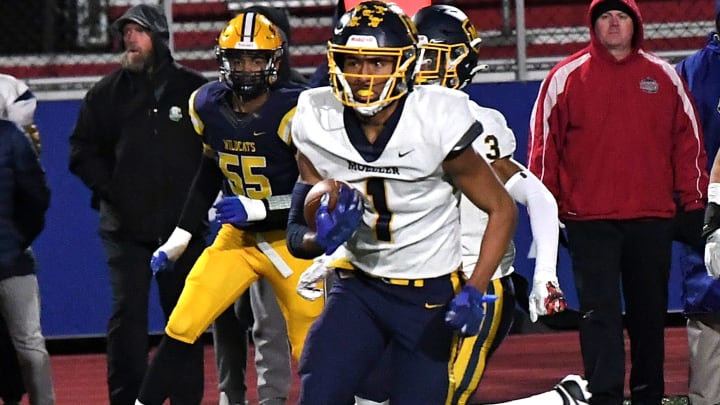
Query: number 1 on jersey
point(376, 191)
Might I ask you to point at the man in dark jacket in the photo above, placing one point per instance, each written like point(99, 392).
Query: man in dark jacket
point(24, 199)
point(135, 148)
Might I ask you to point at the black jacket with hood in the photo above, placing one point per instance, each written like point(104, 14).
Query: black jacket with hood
point(134, 144)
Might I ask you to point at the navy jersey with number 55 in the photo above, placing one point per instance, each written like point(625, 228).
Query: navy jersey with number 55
point(254, 151)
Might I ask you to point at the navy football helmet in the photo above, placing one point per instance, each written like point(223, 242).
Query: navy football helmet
point(373, 29)
point(449, 46)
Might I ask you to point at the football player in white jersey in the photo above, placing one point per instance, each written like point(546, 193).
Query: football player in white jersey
point(404, 152)
point(449, 57)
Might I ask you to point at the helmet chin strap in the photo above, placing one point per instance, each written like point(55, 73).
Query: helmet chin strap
point(479, 68)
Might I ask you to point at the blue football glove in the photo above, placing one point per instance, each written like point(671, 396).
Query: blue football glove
point(465, 313)
point(160, 262)
point(239, 209)
point(170, 251)
point(336, 227)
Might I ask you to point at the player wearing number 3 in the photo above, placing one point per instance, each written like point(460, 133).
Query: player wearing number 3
point(244, 121)
point(405, 152)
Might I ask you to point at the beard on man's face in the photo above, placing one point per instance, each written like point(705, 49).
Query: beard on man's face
point(136, 62)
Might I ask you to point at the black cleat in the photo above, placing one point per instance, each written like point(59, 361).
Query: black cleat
point(573, 390)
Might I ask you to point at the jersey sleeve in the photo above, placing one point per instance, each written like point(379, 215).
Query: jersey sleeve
point(194, 105)
point(497, 140)
point(298, 132)
point(455, 124)
point(285, 128)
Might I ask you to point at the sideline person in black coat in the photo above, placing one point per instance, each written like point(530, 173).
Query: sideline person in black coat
point(135, 148)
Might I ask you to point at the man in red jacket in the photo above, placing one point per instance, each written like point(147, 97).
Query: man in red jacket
point(615, 137)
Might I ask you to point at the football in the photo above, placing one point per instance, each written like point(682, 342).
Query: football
point(312, 199)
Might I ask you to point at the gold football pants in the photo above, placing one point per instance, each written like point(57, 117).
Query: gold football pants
point(226, 269)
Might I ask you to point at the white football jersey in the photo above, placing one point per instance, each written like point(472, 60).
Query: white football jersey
point(410, 228)
point(497, 141)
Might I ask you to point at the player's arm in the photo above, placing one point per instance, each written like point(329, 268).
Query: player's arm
point(546, 297)
point(300, 238)
point(203, 191)
point(528, 190)
point(472, 174)
point(334, 226)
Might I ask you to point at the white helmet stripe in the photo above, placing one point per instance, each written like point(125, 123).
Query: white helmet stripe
point(248, 24)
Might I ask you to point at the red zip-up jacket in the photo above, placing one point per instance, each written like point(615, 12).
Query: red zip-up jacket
point(617, 139)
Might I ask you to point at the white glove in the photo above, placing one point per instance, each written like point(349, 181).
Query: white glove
point(318, 271)
point(546, 297)
point(308, 285)
point(171, 250)
point(712, 254)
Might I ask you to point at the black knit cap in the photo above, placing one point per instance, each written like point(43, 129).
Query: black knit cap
point(608, 5)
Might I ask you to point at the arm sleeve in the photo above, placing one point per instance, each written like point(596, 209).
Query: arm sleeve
point(90, 154)
point(689, 156)
point(544, 126)
point(527, 189)
point(202, 194)
point(32, 197)
point(297, 228)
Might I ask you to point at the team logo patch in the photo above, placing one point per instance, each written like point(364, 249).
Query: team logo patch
point(175, 113)
point(649, 85)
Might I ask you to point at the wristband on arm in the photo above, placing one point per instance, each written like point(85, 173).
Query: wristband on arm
point(712, 212)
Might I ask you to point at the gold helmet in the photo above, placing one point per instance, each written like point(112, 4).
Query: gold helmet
point(374, 29)
point(449, 46)
point(249, 37)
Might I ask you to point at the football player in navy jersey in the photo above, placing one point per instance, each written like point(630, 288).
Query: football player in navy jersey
point(404, 152)
point(244, 121)
point(257, 309)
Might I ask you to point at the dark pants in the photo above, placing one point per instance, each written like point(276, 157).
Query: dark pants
point(362, 317)
point(614, 261)
point(127, 332)
point(473, 354)
point(12, 387)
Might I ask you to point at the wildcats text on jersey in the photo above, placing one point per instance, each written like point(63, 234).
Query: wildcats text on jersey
point(233, 145)
point(357, 167)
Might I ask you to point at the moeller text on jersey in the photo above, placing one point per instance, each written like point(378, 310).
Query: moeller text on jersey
point(365, 168)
